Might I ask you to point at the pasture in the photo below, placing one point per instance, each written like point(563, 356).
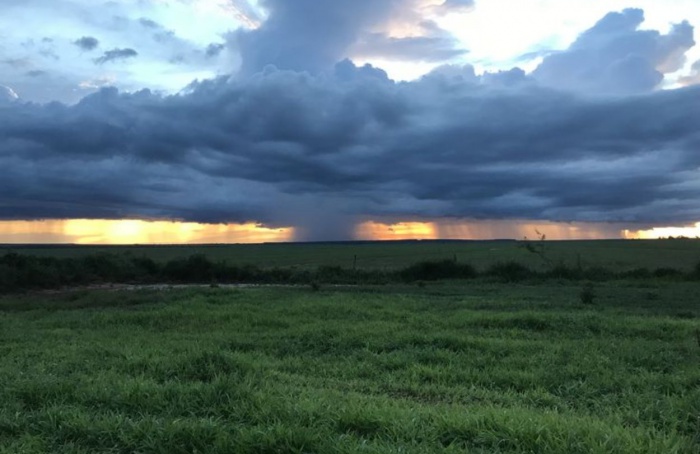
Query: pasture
point(478, 365)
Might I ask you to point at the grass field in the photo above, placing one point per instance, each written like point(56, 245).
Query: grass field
point(619, 255)
point(451, 367)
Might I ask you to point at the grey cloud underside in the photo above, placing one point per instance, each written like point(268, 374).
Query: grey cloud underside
point(285, 148)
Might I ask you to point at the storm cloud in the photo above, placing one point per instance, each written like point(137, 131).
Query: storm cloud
point(326, 149)
point(284, 148)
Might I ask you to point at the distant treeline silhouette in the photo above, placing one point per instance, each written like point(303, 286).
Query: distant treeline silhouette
point(26, 272)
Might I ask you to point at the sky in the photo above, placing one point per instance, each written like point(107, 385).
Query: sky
point(277, 120)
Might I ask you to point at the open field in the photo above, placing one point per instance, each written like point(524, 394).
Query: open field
point(494, 362)
point(620, 255)
point(450, 367)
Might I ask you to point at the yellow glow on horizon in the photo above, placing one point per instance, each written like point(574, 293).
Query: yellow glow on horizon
point(378, 231)
point(132, 231)
point(664, 232)
point(463, 229)
point(520, 229)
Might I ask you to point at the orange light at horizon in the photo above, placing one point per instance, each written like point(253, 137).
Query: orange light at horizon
point(378, 231)
point(664, 232)
point(463, 229)
point(134, 231)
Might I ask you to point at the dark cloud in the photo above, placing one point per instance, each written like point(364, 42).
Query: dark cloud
point(115, 55)
point(87, 43)
point(615, 57)
point(284, 148)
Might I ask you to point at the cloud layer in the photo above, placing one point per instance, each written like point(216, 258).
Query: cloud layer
point(285, 148)
point(323, 146)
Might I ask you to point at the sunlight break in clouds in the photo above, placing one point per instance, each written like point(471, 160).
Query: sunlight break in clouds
point(377, 231)
point(91, 231)
point(664, 232)
point(486, 230)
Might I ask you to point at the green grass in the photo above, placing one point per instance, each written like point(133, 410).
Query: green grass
point(452, 367)
point(618, 255)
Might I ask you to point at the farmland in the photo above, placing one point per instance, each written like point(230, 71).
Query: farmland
point(477, 365)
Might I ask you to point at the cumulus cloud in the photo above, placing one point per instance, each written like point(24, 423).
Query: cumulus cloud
point(116, 54)
point(87, 43)
point(307, 35)
point(616, 57)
